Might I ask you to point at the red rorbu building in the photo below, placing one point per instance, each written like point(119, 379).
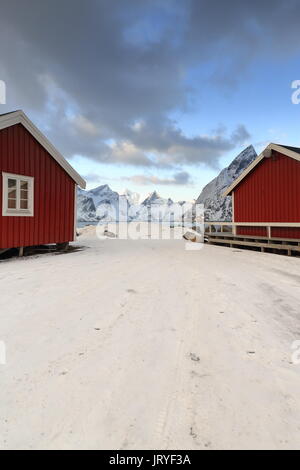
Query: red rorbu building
point(266, 196)
point(38, 187)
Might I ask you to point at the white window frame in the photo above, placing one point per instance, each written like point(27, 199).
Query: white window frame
point(18, 212)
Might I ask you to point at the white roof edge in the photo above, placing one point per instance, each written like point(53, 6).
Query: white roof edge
point(19, 117)
point(278, 148)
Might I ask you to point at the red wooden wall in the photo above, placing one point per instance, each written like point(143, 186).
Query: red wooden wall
point(252, 231)
point(54, 189)
point(270, 193)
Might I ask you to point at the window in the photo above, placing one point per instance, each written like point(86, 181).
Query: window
point(17, 195)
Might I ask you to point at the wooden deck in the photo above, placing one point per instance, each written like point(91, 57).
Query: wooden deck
point(224, 233)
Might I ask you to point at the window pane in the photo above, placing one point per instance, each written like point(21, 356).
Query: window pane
point(12, 204)
point(12, 183)
point(24, 185)
point(24, 194)
point(12, 194)
point(23, 204)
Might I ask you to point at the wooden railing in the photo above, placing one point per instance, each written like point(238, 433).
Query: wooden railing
point(230, 227)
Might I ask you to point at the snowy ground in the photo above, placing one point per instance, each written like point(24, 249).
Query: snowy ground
point(142, 344)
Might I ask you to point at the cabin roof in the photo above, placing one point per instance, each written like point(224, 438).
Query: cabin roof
point(19, 117)
point(292, 152)
point(293, 149)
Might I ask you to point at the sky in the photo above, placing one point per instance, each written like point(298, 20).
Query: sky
point(153, 94)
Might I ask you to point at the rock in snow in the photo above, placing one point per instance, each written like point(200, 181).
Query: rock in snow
point(218, 208)
point(193, 236)
point(109, 234)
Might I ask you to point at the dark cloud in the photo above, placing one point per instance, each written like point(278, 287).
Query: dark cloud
point(105, 77)
point(180, 178)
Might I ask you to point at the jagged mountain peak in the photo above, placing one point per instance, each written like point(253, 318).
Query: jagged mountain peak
point(242, 160)
point(102, 203)
point(153, 195)
point(131, 196)
point(155, 198)
point(103, 195)
point(100, 189)
point(218, 208)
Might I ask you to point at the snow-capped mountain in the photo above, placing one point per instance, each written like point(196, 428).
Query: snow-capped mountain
point(156, 208)
point(102, 195)
point(89, 202)
point(154, 198)
point(86, 210)
point(131, 196)
point(218, 208)
point(103, 204)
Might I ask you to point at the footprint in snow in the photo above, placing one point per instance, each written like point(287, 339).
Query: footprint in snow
point(194, 357)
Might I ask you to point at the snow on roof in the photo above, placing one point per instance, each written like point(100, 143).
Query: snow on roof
point(19, 117)
point(293, 149)
point(11, 112)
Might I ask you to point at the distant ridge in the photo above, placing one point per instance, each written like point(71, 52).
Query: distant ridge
point(218, 208)
point(102, 204)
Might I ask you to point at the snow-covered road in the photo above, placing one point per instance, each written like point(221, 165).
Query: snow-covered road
point(142, 344)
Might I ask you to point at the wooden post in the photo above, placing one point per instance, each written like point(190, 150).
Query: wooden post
point(21, 251)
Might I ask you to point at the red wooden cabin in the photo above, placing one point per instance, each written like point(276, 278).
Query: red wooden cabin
point(266, 196)
point(38, 187)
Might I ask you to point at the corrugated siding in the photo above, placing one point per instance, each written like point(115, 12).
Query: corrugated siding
point(253, 231)
point(289, 232)
point(270, 193)
point(53, 220)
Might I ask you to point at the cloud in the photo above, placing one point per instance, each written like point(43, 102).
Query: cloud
point(126, 152)
point(167, 146)
point(100, 71)
point(180, 178)
point(84, 126)
point(94, 177)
